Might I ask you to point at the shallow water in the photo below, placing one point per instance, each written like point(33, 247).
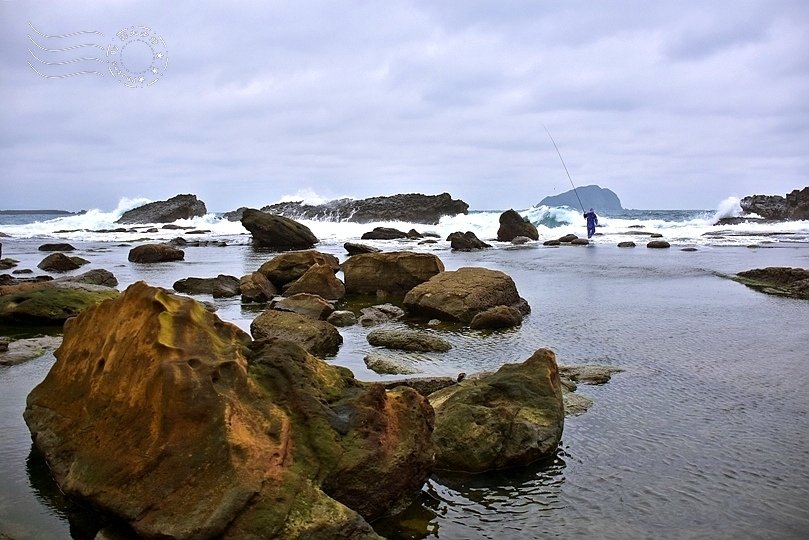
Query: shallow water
point(705, 435)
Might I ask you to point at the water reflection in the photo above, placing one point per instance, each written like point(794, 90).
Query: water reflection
point(495, 504)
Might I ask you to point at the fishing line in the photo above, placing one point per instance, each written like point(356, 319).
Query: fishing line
point(563, 165)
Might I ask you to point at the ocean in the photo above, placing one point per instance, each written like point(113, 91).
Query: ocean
point(704, 435)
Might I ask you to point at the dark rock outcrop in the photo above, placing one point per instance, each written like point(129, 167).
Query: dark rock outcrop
point(152, 253)
point(384, 233)
point(174, 421)
point(794, 206)
point(277, 232)
point(510, 418)
point(178, 207)
point(461, 294)
point(393, 273)
point(56, 247)
point(626, 244)
point(513, 225)
point(317, 337)
point(467, 241)
point(410, 207)
point(658, 244)
point(777, 280)
point(601, 199)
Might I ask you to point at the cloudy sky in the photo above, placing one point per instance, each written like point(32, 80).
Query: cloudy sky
point(669, 104)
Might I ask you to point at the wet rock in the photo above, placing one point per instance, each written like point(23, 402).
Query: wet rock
point(342, 318)
point(221, 286)
point(385, 365)
point(794, 206)
point(288, 267)
point(576, 404)
point(384, 233)
point(309, 305)
point(56, 247)
point(22, 350)
point(152, 253)
point(689, 249)
point(408, 340)
point(256, 287)
point(277, 232)
point(497, 317)
point(655, 235)
point(510, 418)
point(466, 241)
point(776, 280)
point(98, 276)
point(423, 385)
point(513, 225)
point(379, 314)
point(461, 294)
point(392, 273)
point(319, 279)
point(58, 262)
point(177, 207)
point(49, 302)
point(355, 249)
point(658, 244)
point(588, 373)
point(204, 434)
point(22, 271)
point(551, 243)
point(579, 242)
point(520, 240)
point(626, 244)
point(567, 238)
point(317, 337)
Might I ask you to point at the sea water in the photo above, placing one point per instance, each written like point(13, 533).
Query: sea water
point(704, 435)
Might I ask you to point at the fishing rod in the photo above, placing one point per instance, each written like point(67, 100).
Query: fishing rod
point(563, 165)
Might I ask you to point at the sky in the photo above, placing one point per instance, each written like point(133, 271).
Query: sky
point(670, 104)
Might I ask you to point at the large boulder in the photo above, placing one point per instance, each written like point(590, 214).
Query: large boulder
point(467, 241)
point(794, 206)
point(152, 253)
point(510, 418)
point(780, 281)
point(277, 232)
point(49, 302)
point(409, 207)
point(319, 279)
point(461, 294)
point(99, 276)
point(394, 272)
point(171, 419)
point(178, 207)
point(513, 225)
point(317, 337)
point(58, 262)
point(288, 267)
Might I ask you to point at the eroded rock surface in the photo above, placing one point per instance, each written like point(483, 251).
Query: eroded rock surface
point(393, 272)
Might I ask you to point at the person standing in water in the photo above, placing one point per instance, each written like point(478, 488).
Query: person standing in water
point(592, 221)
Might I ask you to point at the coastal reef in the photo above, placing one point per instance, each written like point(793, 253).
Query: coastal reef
point(179, 424)
point(795, 205)
point(177, 207)
point(780, 281)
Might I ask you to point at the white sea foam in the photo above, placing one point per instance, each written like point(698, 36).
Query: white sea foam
point(678, 227)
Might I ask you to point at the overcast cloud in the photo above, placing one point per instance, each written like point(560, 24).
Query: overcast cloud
point(669, 104)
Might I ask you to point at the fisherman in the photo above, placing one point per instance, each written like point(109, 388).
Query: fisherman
point(592, 221)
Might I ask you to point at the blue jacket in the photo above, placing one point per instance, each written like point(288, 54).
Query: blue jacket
point(592, 219)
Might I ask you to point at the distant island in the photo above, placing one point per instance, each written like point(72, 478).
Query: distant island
point(50, 212)
point(598, 198)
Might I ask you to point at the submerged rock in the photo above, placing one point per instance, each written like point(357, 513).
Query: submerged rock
point(163, 415)
point(152, 253)
point(386, 365)
point(509, 418)
point(408, 340)
point(780, 281)
point(22, 350)
point(497, 317)
point(379, 314)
